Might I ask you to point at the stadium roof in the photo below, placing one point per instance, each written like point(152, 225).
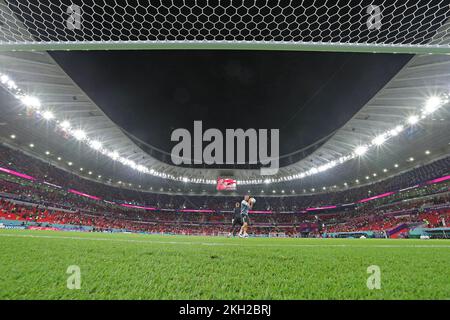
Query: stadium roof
point(406, 94)
point(38, 76)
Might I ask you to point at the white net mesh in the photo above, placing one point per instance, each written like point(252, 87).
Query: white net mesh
point(367, 25)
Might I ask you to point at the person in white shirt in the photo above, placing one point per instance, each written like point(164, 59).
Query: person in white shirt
point(246, 205)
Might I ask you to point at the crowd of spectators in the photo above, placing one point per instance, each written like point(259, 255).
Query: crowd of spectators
point(286, 217)
point(20, 162)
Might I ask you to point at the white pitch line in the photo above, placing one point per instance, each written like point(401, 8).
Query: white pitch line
point(226, 244)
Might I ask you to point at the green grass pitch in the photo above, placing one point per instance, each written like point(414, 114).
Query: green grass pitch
point(33, 265)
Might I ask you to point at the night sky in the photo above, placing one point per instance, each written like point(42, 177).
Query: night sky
point(306, 95)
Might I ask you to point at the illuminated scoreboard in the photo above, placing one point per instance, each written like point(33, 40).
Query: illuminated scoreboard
point(226, 184)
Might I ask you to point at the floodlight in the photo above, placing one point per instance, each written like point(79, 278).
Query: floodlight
point(432, 104)
point(413, 119)
point(65, 124)
point(379, 140)
point(96, 145)
point(79, 134)
point(361, 150)
point(31, 102)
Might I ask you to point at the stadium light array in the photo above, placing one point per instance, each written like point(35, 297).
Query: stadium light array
point(4, 79)
point(432, 104)
point(412, 120)
point(96, 145)
point(361, 150)
point(34, 104)
point(30, 101)
point(379, 140)
point(79, 134)
point(48, 115)
point(114, 155)
point(394, 132)
point(65, 124)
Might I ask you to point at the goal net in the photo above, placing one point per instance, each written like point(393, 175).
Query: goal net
point(361, 26)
